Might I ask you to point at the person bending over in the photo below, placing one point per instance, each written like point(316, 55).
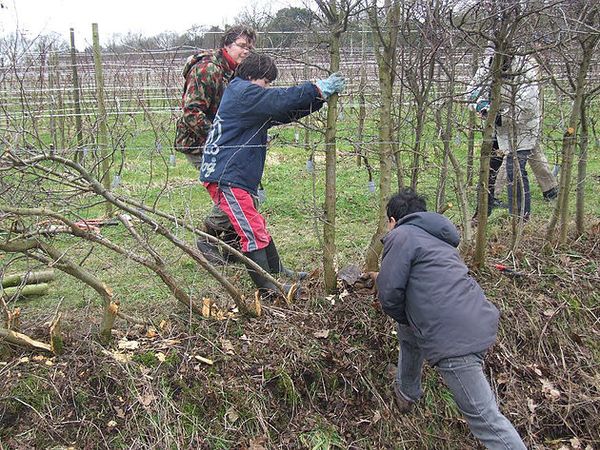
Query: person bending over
point(442, 315)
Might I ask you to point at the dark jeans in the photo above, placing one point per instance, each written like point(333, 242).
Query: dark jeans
point(523, 186)
point(471, 391)
point(495, 163)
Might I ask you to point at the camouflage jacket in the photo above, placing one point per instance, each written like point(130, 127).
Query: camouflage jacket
point(206, 75)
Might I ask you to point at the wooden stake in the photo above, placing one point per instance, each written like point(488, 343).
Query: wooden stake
point(78, 128)
point(102, 127)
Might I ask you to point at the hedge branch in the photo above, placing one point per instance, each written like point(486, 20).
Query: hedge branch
point(157, 267)
point(27, 278)
point(99, 189)
point(57, 259)
point(23, 340)
point(215, 240)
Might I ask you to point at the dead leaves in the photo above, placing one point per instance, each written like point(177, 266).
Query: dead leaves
point(124, 344)
point(573, 444)
point(227, 347)
point(231, 415)
point(210, 310)
point(321, 334)
point(258, 443)
point(150, 343)
point(146, 399)
point(122, 358)
point(549, 391)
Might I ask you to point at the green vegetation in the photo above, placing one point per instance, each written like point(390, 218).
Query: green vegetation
point(280, 385)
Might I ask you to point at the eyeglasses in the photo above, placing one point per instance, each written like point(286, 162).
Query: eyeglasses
point(244, 46)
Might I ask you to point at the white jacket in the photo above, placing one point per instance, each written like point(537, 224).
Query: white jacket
point(520, 108)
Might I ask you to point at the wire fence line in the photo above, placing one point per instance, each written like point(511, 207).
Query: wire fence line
point(143, 93)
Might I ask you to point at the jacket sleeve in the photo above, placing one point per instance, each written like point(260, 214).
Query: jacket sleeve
point(394, 274)
point(477, 88)
point(528, 95)
point(281, 105)
point(200, 89)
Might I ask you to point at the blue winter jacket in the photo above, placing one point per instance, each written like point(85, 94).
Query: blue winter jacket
point(423, 283)
point(236, 147)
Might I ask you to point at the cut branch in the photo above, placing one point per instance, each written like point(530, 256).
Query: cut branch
point(25, 291)
point(27, 278)
point(23, 340)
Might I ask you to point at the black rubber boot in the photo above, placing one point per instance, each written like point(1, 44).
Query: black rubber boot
point(231, 238)
point(212, 252)
point(277, 267)
point(260, 258)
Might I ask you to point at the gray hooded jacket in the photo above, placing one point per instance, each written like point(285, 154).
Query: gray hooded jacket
point(424, 283)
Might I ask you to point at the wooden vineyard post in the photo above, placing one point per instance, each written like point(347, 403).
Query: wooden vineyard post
point(102, 128)
point(78, 128)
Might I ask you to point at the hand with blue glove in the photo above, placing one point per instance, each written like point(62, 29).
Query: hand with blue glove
point(332, 85)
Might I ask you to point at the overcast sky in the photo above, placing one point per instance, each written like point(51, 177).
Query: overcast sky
point(120, 16)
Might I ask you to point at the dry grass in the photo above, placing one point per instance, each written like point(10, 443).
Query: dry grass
point(316, 375)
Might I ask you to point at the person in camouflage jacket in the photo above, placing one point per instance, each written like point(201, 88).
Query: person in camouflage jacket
point(206, 75)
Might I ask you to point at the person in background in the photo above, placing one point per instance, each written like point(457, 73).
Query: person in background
point(442, 316)
point(206, 75)
point(235, 151)
point(519, 124)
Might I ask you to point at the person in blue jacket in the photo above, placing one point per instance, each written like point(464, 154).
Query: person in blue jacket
point(442, 314)
point(234, 155)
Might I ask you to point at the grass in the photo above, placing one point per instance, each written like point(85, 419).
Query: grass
point(322, 439)
point(288, 388)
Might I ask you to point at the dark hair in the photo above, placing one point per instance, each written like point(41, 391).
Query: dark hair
point(405, 202)
point(257, 66)
point(231, 34)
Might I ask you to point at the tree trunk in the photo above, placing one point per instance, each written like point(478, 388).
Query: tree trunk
point(420, 113)
point(486, 152)
point(582, 171)
point(398, 143)
point(329, 249)
point(561, 210)
point(470, 147)
point(102, 138)
point(386, 62)
point(471, 126)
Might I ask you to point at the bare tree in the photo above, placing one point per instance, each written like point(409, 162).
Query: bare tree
point(385, 25)
point(578, 21)
point(336, 15)
point(505, 26)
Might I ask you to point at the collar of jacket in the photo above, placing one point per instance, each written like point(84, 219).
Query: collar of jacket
point(228, 59)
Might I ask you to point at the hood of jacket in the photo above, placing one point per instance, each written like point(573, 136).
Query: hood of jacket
point(434, 224)
point(215, 56)
point(193, 60)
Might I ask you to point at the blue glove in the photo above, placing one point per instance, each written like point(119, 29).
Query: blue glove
point(482, 106)
point(332, 85)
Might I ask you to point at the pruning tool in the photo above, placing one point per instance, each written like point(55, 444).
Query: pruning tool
point(507, 271)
